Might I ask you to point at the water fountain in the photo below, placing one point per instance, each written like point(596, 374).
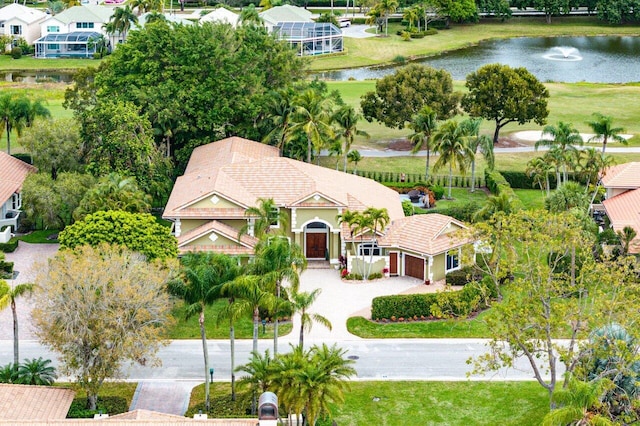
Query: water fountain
point(563, 53)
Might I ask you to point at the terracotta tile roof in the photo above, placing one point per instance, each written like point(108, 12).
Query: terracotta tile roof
point(243, 171)
point(203, 213)
point(624, 210)
point(230, 250)
point(220, 229)
point(424, 234)
point(12, 175)
point(625, 175)
point(119, 421)
point(23, 402)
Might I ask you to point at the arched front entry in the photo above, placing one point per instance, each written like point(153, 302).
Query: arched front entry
point(316, 240)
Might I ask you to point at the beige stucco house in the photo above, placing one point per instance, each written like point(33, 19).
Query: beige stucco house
point(223, 179)
point(13, 172)
point(19, 21)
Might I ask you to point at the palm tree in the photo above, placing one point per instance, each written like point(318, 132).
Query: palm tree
point(277, 260)
point(9, 373)
point(155, 16)
point(579, 404)
point(264, 218)
point(450, 141)
point(17, 113)
point(313, 118)
point(423, 124)
point(36, 372)
point(347, 119)
point(284, 381)
point(232, 312)
point(249, 16)
point(280, 109)
point(378, 219)
point(410, 15)
point(99, 44)
point(602, 126)
point(374, 17)
point(502, 202)
point(204, 275)
point(538, 169)
point(626, 236)
point(8, 296)
point(555, 158)
point(324, 380)
point(566, 137)
point(114, 192)
point(354, 157)
point(591, 164)
point(300, 303)
point(475, 141)
point(259, 375)
point(386, 8)
point(121, 21)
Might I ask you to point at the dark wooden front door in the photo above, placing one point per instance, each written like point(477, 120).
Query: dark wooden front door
point(316, 245)
point(414, 267)
point(393, 263)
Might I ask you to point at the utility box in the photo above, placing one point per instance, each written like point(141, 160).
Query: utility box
point(268, 409)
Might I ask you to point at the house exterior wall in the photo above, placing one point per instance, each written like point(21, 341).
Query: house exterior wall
point(189, 224)
point(53, 22)
point(30, 32)
point(221, 203)
point(234, 223)
point(612, 192)
point(308, 215)
point(219, 241)
point(438, 267)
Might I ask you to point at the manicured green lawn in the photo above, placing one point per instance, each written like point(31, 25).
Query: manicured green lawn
point(39, 237)
point(114, 398)
point(190, 329)
point(7, 63)
point(531, 198)
point(412, 403)
point(382, 50)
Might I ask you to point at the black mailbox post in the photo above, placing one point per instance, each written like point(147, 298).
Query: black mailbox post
point(268, 406)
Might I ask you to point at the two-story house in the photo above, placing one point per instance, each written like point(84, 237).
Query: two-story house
point(19, 21)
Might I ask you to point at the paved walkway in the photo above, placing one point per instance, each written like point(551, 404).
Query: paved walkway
point(171, 396)
point(26, 259)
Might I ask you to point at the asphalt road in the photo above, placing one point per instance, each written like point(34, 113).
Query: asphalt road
point(376, 359)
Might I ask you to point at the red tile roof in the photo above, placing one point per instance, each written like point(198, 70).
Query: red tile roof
point(219, 228)
point(624, 210)
point(12, 175)
point(625, 175)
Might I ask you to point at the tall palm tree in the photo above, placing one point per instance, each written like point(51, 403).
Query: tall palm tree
point(300, 303)
point(36, 372)
point(602, 126)
point(204, 275)
point(450, 141)
point(354, 156)
point(18, 113)
point(378, 219)
point(477, 141)
point(555, 158)
point(313, 118)
point(264, 218)
point(566, 137)
point(8, 296)
point(347, 119)
point(538, 169)
point(423, 124)
point(232, 312)
point(387, 7)
point(626, 236)
point(284, 381)
point(280, 109)
point(502, 202)
point(121, 21)
point(591, 165)
point(277, 260)
point(410, 15)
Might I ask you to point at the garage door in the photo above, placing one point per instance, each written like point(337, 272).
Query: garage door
point(414, 267)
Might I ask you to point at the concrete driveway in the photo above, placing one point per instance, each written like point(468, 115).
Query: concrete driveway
point(357, 31)
point(340, 300)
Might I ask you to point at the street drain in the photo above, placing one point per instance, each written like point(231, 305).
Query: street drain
point(353, 357)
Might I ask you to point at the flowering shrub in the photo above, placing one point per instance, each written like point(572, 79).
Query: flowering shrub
point(344, 273)
point(385, 271)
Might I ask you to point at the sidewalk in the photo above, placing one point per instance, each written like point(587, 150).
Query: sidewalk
point(170, 397)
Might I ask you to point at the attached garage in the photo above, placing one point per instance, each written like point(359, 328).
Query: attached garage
point(414, 267)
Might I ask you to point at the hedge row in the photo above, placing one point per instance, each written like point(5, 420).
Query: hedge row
point(446, 304)
point(9, 247)
point(497, 184)
point(463, 276)
point(441, 180)
point(6, 269)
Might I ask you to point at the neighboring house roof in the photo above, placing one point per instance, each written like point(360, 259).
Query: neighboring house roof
point(223, 15)
point(244, 171)
point(28, 15)
point(625, 175)
point(12, 174)
point(624, 210)
point(25, 402)
point(247, 242)
point(285, 13)
point(171, 17)
point(86, 13)
point(427, 234)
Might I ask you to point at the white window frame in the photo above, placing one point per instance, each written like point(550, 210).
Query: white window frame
point(276, 212)
point(53, 29)
point(456, 259)
point(13, 28)
point(364, 249)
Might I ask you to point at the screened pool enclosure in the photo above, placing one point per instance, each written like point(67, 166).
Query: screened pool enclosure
point(311, 38)
point(79, 44)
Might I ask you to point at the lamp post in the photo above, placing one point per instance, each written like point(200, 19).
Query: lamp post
point(264, 326)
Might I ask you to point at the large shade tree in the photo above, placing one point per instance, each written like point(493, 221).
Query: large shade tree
point(505, 95)
point(99, 309)
point(401, 95)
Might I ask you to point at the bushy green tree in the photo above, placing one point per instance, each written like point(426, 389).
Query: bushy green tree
point(505, 95)
point(138, 232)
point(113, 192)
point(401, 95)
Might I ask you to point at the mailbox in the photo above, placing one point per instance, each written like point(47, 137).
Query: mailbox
point(268, 406)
